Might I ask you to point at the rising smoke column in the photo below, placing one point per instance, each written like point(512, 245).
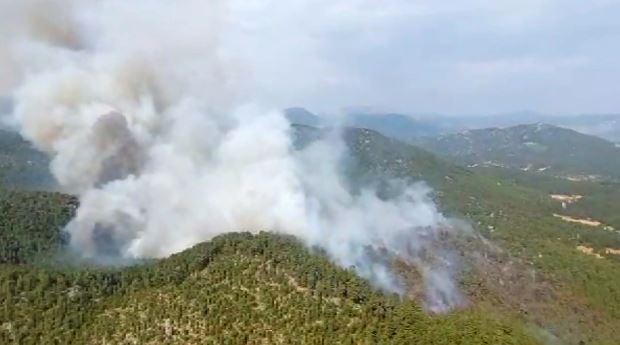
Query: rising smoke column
point(150, 121)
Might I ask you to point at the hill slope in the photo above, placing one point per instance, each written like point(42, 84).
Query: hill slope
point(271, 289)
point(541, 250)
point(538, 147)
point(236, 289)
point(21, 165)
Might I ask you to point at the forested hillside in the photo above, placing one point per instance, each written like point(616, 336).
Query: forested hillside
point(153, 190)
point(21, 165)
point(236, 289)
point(265, 288)
point(543, 275)
point(31, 224)
point(540, 148)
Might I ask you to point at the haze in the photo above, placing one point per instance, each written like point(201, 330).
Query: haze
point(416, 56)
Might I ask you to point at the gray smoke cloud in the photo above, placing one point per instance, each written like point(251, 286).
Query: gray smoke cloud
point(149, 119)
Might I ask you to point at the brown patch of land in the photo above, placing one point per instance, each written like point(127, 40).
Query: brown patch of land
point(589, 251)
point(569, 199)
point(588, 222)
point(612, 251)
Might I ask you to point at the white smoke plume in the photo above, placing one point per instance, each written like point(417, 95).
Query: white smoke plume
point(149, 119)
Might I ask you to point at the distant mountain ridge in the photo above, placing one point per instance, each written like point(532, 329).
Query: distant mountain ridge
point(606, 126)
point(406, 126)
point(302, 116)
point(538, 147)
point(395, 125)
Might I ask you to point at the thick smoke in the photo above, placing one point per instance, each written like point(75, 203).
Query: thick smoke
point(148, 120)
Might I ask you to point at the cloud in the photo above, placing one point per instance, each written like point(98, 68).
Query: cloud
point(457, 56)
point(447, 56)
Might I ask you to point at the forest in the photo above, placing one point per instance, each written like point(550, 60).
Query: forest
point(524, 281)
point(238, 288)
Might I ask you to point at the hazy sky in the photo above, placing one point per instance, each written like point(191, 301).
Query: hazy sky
point(418, 56)
point(451, 56)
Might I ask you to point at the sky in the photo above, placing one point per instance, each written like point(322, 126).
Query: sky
point(453, 57)
point(448, 56)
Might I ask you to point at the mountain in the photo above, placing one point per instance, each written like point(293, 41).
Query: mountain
point(399, 126)
point(537, 147)
point(302, 116)
point(407, 126)
point(526, 280)
point(376, 155)
point(21, 165)
point(235, 289)
point(606, 126)
point(395, 125)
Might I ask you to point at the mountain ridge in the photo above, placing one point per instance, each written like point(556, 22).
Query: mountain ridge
point(407, 126)
point(537, 147)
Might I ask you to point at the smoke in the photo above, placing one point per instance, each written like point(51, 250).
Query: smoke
point(149, 119)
